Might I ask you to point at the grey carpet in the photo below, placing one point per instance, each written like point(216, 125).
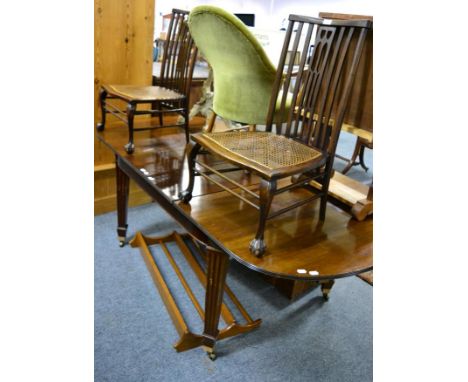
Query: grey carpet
point(305, 340)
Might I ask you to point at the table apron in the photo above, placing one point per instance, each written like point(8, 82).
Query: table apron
point(167, 204)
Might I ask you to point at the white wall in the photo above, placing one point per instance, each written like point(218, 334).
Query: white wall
point(269, 14)
point(283, 8)
point(261, 9)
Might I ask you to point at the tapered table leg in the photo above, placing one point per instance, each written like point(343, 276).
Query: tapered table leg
point(217, 266)
point(123, 187)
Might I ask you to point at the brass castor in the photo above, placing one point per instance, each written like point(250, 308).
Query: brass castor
point(185, 196)
point(129, 148)
point(326, 288)
point(211, 355)
point(257, 247)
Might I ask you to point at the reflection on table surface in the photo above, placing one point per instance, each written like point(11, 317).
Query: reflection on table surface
point(298, 242)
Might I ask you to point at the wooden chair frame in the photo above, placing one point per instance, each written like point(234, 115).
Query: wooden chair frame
point(321, 89)
point(172, 90)
point(188, 338)
point(359, 148)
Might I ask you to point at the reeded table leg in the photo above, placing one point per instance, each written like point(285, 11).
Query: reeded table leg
point(361, 157)
point(217, 266)
point(186, 121)
point(123, 187)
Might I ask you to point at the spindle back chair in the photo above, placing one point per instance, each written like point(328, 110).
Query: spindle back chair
point(311, 99)
point(171, 94)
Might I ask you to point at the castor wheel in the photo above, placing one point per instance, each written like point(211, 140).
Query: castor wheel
point(257, 247)
point(121, 243)
point(326, 289)
point(129, 148)
point(100, 126)
point(185, 196)
point(211, 355)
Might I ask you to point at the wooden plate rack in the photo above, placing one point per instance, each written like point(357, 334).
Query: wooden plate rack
point(188, 339)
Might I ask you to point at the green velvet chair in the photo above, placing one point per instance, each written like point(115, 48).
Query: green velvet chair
point(302, 106)
point(243, 73)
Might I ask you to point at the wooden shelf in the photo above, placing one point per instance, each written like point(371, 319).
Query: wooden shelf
point(352, 193)
point(104, 167)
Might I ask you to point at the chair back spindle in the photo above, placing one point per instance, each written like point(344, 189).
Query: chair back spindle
point(318, 89)
point(179, 55)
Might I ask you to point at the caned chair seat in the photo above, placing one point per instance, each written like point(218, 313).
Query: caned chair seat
point(269, 154)
point(135, 93)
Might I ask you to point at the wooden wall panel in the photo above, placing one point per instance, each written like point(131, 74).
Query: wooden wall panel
point(123, 54)
point(105, 199)
point(123, 51)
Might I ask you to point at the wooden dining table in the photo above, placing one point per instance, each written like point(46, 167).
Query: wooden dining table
point(300, 247)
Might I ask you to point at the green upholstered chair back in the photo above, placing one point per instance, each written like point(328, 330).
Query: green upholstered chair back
point(243, 74)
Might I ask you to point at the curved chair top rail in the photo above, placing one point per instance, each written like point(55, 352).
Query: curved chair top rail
point(229, 18)
point(243, 73)
point(358, 23)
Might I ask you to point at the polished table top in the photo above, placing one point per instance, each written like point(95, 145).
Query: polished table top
point(299, 246)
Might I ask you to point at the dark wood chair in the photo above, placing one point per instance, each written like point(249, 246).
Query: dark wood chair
point(302, 148)
point(171, 93)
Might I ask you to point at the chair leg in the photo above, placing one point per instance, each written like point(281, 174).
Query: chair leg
point(211, 122)
point(157, 106)
point(352, 161)
point(326, 288)
point(267, 191)
point(130, 147)
point(192, 151)
point(361, 158)
point(324, 190)
point(102, 102)
point(161, 120)
point(186, 123)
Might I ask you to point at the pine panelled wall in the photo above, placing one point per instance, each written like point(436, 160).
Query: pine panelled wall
point(123, 49)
